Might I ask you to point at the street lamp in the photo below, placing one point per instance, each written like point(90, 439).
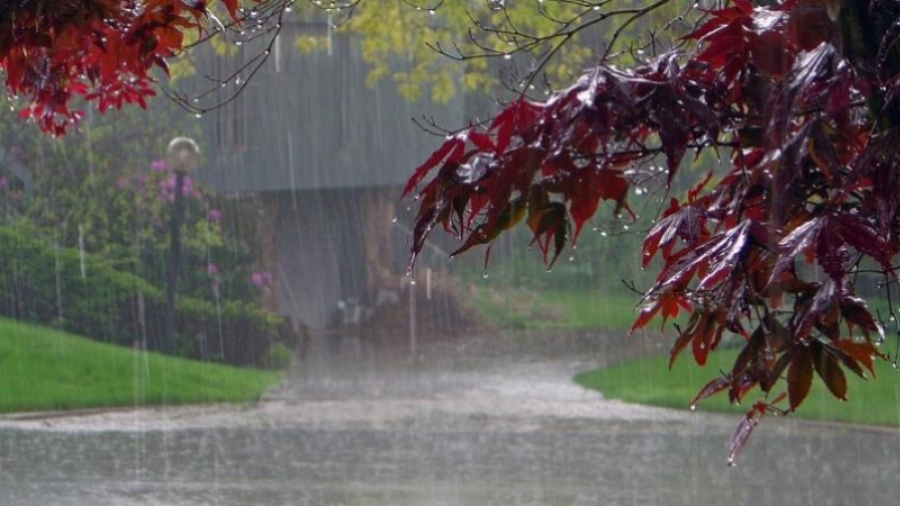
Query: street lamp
point(182, 156)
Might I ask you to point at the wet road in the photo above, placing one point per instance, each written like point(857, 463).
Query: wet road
point(454, 431)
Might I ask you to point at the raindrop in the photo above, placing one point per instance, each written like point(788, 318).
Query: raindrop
point(198, 115)
point(394, 219)
point(507, 56)
point(484, 275)
point(693, 407)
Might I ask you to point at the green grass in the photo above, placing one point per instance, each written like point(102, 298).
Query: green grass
point(45, 369)
point(648, 381)
point(592, 308)
point(538, 309)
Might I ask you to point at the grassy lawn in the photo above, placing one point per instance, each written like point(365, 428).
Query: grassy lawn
point(536, 309)
point(648, 381)
point(45, 369)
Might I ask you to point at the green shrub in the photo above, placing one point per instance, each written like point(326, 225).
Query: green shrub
point(279, 357)
point(86, 295)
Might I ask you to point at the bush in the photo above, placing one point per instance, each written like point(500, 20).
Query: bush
point(279, 357)
point(85, 295)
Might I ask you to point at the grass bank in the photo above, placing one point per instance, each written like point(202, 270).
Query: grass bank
point(540, 309)
point(46, 369)
point(648, 381)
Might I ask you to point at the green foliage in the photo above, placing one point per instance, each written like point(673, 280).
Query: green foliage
point(46, 369)
point(411, 45)
point(84, 293)
point(399, 42)
point(96, 189)
point(279, 357)
point(79, 179)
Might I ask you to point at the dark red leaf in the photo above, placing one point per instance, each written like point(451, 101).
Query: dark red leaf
point(451, 149)
point(856, 313)
point(830, 371)
point(713, 387)
point(588, 187)
point(742, 433)
point(845, 359)
point(680, 344)
point(231, 6)
point(548, 224)
point(863, 352)
point(800, 375)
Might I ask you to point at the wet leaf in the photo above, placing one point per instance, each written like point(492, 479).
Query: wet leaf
point(742, 433)
point(862, 352)
point(800, 375)
point(452, 149)
point(713, 387)
point(830, 371)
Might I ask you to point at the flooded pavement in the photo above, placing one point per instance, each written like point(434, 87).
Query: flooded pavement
point(455, 428)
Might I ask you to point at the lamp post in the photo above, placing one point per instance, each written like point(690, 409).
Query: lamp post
point(182, 156)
